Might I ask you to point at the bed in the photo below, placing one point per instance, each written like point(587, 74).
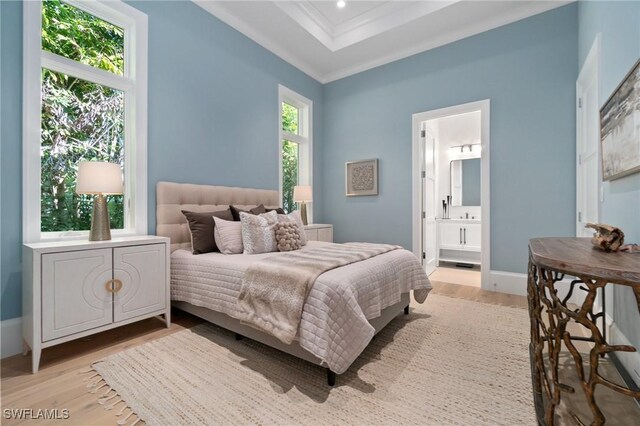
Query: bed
point(345, 307)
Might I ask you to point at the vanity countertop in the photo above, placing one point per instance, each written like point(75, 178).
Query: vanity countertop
point(459, 220)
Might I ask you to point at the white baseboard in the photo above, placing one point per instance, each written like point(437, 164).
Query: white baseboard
point(515, 283)
point(11, 337)
point(629, 360)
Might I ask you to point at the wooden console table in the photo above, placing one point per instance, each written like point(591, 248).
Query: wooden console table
point(549, 260)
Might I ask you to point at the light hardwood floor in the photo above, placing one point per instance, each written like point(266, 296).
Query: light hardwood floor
point(60, 385)
point(449, 273)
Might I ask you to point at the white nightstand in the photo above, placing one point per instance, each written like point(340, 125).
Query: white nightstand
point(319, 232)
point(72, 289)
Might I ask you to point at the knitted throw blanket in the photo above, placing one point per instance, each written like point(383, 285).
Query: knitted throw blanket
point(274, 290)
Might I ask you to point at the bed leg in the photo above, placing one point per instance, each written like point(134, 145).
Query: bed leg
point(238, 336)
point(331, 377)
point(406, 310)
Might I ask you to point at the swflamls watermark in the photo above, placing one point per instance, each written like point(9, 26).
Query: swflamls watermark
point(35, 413)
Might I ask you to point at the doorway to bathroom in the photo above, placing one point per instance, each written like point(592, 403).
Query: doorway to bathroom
point(451, 226)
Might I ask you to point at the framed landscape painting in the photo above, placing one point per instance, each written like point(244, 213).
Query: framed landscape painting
point(620, 128)
point(361, 178)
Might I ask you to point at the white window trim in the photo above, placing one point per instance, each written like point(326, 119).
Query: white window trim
point(304, 139)
point(134, 85)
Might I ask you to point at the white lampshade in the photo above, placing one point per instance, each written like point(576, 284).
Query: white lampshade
point(302, 193)
point(96, 177)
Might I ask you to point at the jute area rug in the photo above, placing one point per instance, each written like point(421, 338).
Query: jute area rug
point(451, 361)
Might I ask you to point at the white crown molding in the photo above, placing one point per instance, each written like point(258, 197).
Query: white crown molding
point(230, 19)
point(319, 24)
point(463, 33)
point(369, 24)
point(384, 18)
point(310, 19)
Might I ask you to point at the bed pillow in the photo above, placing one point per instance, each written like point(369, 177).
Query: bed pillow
point(258, 235)
point(295, 217)
point(235, 212)
point(201, 227)
point(278, 210)
point(288, 236)
point(228, 236)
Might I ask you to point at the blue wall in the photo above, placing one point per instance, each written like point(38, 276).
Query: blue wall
point(619, 26)
point(213, 114)
point(528, 71)
point(11, 158)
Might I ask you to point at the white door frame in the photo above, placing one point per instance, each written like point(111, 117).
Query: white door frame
point(484, 106)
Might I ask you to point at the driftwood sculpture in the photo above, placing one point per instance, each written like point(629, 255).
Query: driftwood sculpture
point(607, 238)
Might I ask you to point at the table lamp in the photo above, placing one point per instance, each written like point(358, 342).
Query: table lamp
point(303, 194)
point(100, 179)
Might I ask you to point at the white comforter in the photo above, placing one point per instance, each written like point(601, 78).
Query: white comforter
point(334, 325)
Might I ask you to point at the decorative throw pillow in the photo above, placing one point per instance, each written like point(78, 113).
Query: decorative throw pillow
point(201, 227)
point(258, 235)
point(228, 236)
point(288, 236)
point(294, 216)
point(235, 212)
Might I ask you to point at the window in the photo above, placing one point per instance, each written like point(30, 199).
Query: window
point(85, 96)
point(295, 146)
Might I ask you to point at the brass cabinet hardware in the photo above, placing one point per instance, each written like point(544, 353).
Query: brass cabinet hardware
point(113, 286)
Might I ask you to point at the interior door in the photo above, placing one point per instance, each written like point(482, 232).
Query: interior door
point(429, 201)
point(588, 171)
point(587, 148)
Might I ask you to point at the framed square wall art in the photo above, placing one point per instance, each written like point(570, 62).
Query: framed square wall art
point(361, 177)
point(620, 128)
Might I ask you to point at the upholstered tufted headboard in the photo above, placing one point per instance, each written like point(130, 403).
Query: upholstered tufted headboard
point(172, 198)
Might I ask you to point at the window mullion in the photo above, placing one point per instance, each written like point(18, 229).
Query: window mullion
point(293, 138)
point(85, 72)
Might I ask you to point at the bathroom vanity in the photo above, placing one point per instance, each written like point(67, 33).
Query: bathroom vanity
point(459, 241)
point(459, 234)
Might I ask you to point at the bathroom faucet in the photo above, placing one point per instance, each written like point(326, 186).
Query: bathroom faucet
point(467, 215)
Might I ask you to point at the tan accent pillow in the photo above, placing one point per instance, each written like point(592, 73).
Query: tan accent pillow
point(294, 216)
point(228, 236)
point(258, 235)
point(288, 236)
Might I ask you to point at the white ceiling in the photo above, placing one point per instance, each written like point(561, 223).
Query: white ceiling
point(329, 43)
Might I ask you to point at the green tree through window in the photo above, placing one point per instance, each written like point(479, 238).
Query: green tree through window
point(290, 156)
point(81, 120)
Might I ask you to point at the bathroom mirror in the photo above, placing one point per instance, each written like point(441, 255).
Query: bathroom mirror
point(465, 182)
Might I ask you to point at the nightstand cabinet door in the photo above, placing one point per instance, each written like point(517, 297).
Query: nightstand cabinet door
point(139, 278)
point(325, 234)
point(312, 234)
point(75, 294)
